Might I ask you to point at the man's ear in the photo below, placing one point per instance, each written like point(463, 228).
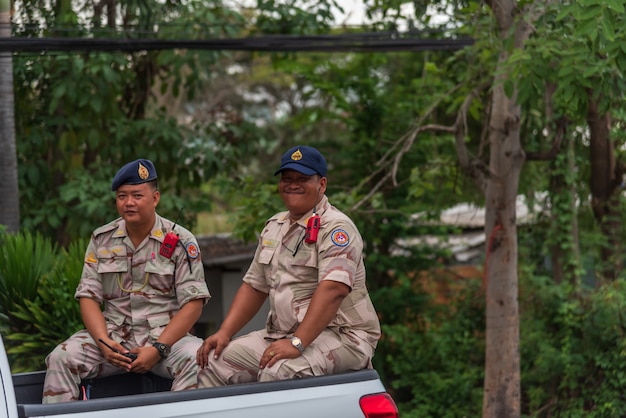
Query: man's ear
point(322, 186)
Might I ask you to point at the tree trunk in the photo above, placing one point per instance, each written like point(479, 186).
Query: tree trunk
point(604, 183)
point(502, 358)
point(502, 389)
point(9, 191)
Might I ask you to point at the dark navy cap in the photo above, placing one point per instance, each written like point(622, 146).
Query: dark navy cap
point(304, 159)
point(135, 172)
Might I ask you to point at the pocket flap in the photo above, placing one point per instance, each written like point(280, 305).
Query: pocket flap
point(266, 255)
point(160, 268)
point(112, 252)
point(112, 265)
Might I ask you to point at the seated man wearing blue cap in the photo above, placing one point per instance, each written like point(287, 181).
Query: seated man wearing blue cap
point(140, 293)
point(309, 264)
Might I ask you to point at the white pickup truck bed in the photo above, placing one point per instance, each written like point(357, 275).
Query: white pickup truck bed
point(324, 396)
point(356, 394)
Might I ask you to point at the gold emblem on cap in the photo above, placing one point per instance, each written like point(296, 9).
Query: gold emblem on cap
point(143, 172)
point(296, 156)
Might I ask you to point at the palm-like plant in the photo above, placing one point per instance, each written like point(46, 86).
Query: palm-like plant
point(37, 285)
point(25, 260)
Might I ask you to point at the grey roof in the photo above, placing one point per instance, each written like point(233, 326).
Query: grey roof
point(470, 216)
point(468, 245)
point(223, 249)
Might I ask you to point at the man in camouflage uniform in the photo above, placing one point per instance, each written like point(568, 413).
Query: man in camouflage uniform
point(321, 318)
point(137, 293)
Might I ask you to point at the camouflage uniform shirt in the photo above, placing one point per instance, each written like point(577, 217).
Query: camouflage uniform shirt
point(288, 269)
point(140, 288)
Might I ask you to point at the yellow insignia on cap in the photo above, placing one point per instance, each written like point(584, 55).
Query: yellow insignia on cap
point(296, 156)
point(143, 172)
point(158, 233)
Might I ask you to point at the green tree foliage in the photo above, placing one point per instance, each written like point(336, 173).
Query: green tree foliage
point(294, 17)
point(82, 115)
point(570, 78)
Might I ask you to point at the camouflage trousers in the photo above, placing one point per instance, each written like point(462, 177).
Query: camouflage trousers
point(79, 358)
point(330, 353)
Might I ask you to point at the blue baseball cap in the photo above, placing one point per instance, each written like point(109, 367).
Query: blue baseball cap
point(135, 172)
point(303, 159)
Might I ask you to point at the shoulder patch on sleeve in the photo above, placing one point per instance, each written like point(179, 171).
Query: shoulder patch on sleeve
point(340, 237)
point(192, 250)
point(91, 258)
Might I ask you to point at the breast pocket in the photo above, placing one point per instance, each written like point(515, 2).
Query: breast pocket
point(112, 268)
point(160, 277)
point(304, 265)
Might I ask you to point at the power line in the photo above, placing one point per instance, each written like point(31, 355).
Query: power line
point(361, 42)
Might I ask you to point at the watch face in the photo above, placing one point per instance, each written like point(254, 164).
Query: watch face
point(297, 342)
point(164, 349)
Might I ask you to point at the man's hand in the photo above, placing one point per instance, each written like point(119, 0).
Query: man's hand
point(147, 357)
point(113, 353)
point(278, 350)
point(216, 341)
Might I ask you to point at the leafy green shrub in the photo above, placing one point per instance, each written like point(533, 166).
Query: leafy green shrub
point(25, 260)
point(37, 285)
point(438, 358)
point(55, 314)
point(573, 351)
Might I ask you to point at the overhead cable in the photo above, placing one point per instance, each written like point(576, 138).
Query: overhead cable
point(361, 42)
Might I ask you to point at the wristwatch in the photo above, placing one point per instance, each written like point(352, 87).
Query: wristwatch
point(164, 349)
point(296, 342)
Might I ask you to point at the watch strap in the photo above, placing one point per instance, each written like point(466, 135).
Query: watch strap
point(162, 348)
point(297, 342)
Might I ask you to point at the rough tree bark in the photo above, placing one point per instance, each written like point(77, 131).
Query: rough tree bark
point(502, 388)
point(9, 191)
point(606, 177)
point(501, 396)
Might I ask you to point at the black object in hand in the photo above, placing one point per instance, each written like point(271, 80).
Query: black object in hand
point(131, 356)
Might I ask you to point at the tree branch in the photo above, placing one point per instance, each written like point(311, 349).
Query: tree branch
point(393, 157)
point(561, 128)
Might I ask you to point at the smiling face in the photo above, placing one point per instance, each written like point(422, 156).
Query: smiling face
point(136, 204)
point(300, 192)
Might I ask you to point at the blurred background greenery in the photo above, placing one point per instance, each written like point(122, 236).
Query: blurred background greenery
point(216, 122)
